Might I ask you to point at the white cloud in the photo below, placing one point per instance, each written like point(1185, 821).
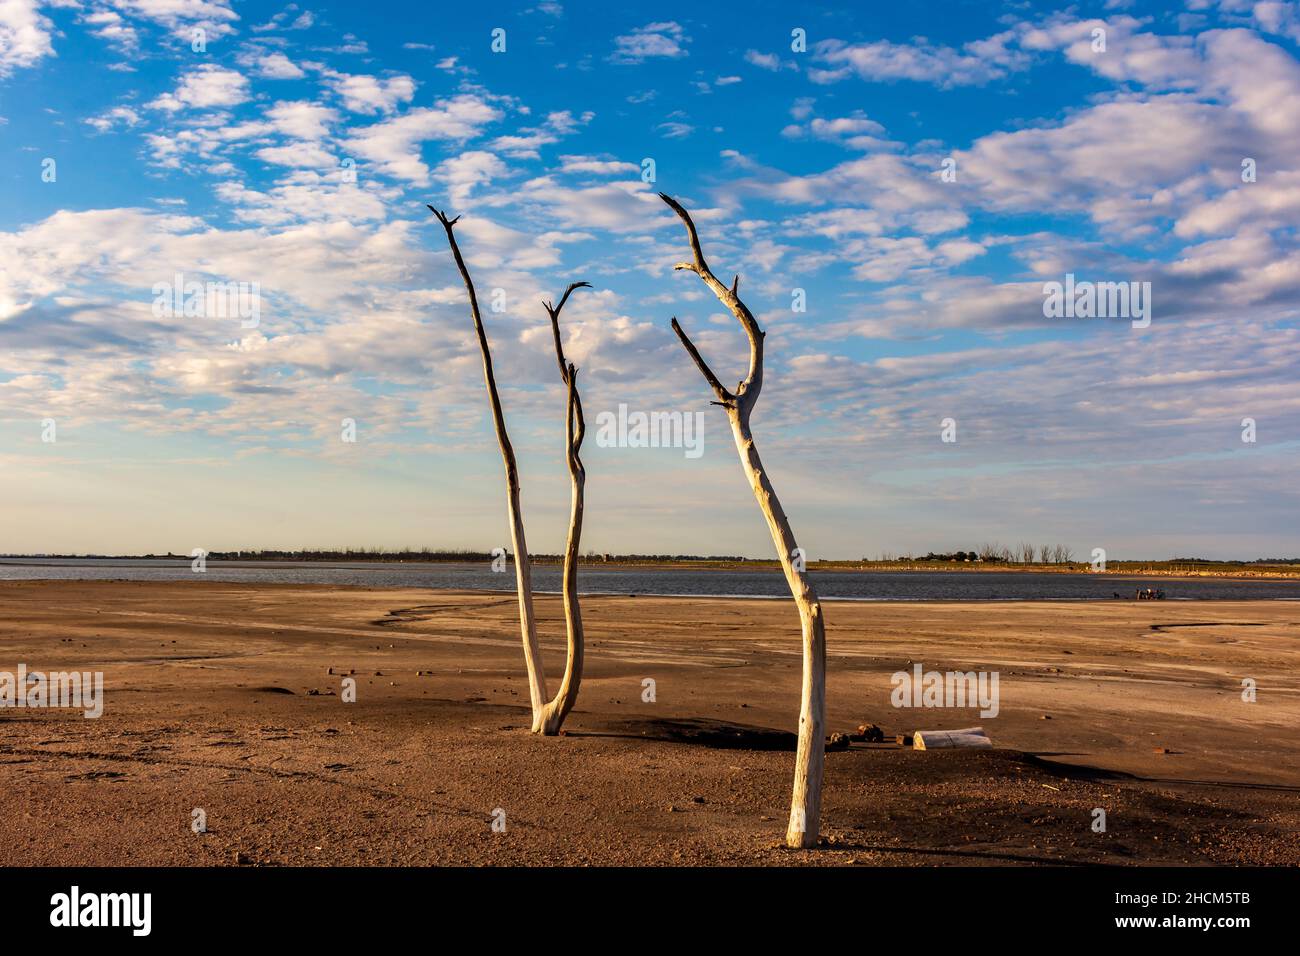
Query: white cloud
point(1278, 17)
point(494, 246)
point(24, 35)
point(674, 129)
point(525, 143)
point(1169, 62)
point(301, 119)
point(881, 60)
point(463, 173)
point(856, 132)
point(303, 155)
point(203, 87)
point(652, 40)
point(122, 115)
point(110, 26)
point(766, 61)
point(306, 196)
point(597, 167)
point(303, 21)
point(276, 66)
point(182, 17)
point(1276, 206)
point(619, 207)
point(394, 144)
point(371, 94)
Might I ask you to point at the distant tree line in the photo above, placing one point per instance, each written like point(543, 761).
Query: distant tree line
point(1023, 553)
point(425, 555)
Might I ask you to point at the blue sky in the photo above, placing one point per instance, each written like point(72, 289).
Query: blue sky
point(215, 139)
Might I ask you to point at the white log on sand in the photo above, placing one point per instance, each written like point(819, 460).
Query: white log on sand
point(969, 737)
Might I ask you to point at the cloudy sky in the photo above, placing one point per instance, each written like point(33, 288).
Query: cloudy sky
point(918, 171)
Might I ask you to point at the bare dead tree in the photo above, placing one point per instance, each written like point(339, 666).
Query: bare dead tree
point(575, 428)
point(548, 715)
point(805, 806)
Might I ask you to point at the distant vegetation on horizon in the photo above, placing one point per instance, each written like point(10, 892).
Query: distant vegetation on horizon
point(1058, 557)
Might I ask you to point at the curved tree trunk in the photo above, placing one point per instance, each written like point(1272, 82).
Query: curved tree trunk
point(806, 801)
point(805, 804)
point(554, 713)
point(523, 567)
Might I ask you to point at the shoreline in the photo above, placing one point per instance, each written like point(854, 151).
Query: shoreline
point(1115, 568)
point(595, 595)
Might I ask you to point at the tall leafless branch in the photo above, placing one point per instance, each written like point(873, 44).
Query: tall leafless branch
point(575, 429)
point(805, 804)
point(523, 565)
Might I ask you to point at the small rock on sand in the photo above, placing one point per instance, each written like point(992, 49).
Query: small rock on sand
point(871, 733)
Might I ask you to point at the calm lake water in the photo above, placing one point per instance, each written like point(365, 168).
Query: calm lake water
point(844, 585)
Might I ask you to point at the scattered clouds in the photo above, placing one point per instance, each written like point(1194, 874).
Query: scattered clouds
point(974, 63)
point(394, 144)
point(526, 143)
point(597, 166)
point(301, 119)
point(666, 39)
point(1136, 176)
point(291, 17)
point(769, 61)
point(273, 66)
point(461, 174)
point(117, 116)
point(182, 17)
point(24, 35)
point(302, 155)
point(371, 94)
point(110, 27)
point(203, 87)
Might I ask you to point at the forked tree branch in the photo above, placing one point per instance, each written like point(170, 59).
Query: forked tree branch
point(746, 393)
point(554, 312)
point(725, 397)
point(577, 430)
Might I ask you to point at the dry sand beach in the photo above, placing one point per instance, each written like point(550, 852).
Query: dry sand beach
point(220, 697)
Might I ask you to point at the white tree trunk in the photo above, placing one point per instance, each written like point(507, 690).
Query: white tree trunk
point(806, 801)
point(524, 588)
point(805, 804)
point(556, 710)
point(523, 567)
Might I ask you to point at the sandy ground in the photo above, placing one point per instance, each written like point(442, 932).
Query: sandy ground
point(1131, 707)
